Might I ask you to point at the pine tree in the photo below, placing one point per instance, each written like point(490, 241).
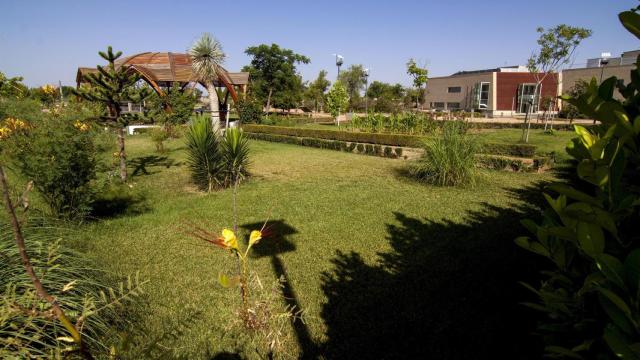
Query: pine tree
point(111, 86)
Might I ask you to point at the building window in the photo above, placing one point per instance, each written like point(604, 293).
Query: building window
point(437, 105)
point(484, 95)
point(454, 89)
point(453, 106)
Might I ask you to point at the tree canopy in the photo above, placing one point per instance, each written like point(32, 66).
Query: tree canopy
point(273, 72)
point(316, 90)
point(354, 80)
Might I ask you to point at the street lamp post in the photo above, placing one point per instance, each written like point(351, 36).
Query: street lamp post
point(339, 61)
point(366, 89)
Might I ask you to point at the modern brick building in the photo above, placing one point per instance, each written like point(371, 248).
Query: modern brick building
point(508, 91)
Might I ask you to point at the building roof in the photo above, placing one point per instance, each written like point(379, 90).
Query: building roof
point(160, 67)
point(514, 68)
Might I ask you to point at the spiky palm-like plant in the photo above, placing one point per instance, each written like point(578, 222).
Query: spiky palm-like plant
point(207, 58)
point(204, 157)
point(235, 152)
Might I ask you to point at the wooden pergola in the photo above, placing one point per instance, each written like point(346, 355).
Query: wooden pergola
point(161, 70)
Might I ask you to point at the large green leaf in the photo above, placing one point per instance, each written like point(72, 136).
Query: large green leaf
point(619, 344)
point(572, 193)
point(631, 21)
point(612, 269)
point(590, 238)
point(632, 269)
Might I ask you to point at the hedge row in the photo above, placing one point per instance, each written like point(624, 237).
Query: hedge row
point(521, 150)
point(534, 125)
point(361, 137)
point(517, 165)
point(366, 149)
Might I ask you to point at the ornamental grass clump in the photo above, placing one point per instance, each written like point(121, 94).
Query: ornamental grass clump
point(448, 159)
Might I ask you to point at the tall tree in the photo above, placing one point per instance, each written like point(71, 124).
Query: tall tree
point(337, 100)
point(111, 86)
point(557, 46)
point(207, 58)
point(273, 69)
point(419, 77)
point(386, 97)
point(316, 90)
point(354, 80)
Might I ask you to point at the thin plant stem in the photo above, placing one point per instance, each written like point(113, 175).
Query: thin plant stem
point(28, 267)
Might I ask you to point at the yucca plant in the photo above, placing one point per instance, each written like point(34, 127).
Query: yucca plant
point(235, 153)
point(204, 156)
point(448, 159)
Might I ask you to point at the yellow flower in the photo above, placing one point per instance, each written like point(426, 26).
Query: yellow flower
point(255, 236)
point(4, 133)
point(48, 89)
point(81, 126)
point(229, 239)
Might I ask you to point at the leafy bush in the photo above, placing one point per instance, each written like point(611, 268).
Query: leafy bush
point(57, 153)
point(388, 152)
point(360, 148)
point(249, 111)
point(588, 302)
point(203, 154)
point(398, 151)
point(159, 136)
point(448, 160)
point(174, 107)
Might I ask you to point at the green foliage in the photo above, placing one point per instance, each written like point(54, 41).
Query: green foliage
point(273, 70)
point(174, 107)
point(418, 75)
point(235, 156)
point(12, 87)
point(557, 45)
point(249, 111)
point(58, 155)
point(353, 79)
point(315, 92)
point(28, 330)
point(449, 159)
point(522, 150)
point(402, 123)
point(159, 135)
point(337, 99)
point(112, 86)
point(385, 97)
point(569, 111)
point(589, 300)
point(204, 155)
point(216, 163)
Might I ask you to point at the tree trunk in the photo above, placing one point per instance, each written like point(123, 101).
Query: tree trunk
point(269, 100)
point(214, 108)
point(122, 155)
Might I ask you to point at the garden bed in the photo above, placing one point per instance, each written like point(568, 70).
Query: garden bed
point(383, 140)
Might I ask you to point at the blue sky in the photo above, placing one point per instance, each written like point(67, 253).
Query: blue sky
point(45, 41)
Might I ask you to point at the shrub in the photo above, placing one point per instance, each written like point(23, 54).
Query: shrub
point(158, 136)
point(235, 156)
point(249, 111)
point(27, 327)
point(203, 154)
point(352, 146)
point(521, 150)
point(588, 301)
point(174, 107)
point(448, 160)
point(368, 149)
point(388, 152)
point(360, 148)
point(57, 153)
point(398, 151)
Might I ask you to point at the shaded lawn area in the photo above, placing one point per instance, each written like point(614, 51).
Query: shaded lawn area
point(382, 267)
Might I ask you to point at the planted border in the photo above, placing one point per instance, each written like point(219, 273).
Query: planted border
point(395, 140)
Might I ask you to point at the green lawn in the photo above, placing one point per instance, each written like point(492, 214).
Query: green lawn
point(546, 143)
point(380, 265)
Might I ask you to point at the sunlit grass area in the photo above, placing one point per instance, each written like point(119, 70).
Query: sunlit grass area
point(360, 245)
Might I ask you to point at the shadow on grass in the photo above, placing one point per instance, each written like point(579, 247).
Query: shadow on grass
point(445, 291)
point(140, 164)
point(275, 244)
point(118, 201)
